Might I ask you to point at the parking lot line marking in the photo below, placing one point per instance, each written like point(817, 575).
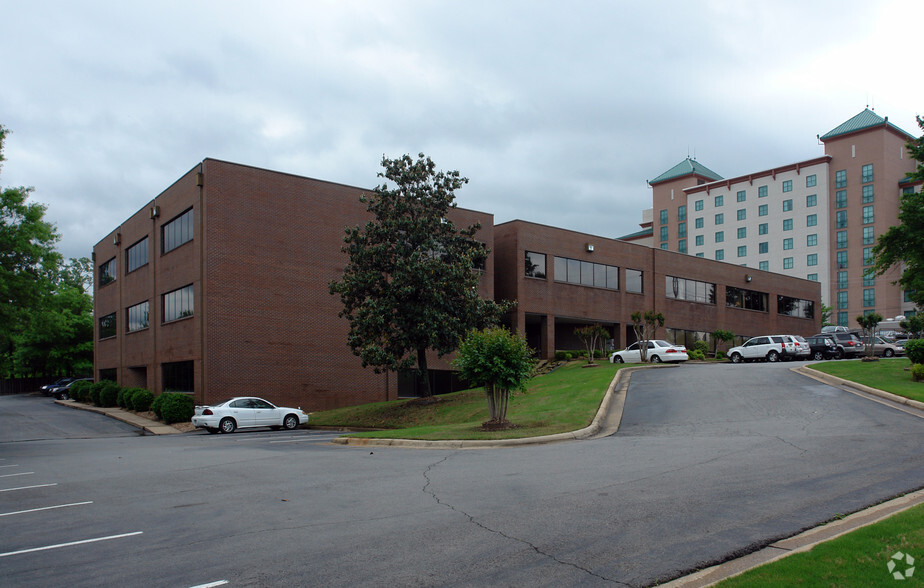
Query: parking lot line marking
point(47, 547)
point(7, 514)
point(211, 584)
point(19, 474)
point(28, 487)
point(15, 465)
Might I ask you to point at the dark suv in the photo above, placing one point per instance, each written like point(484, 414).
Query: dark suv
point(822, 346)
point(848, 344)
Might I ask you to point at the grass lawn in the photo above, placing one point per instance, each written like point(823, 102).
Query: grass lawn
point(564, 400)
point(859, 558)
point(885, 374)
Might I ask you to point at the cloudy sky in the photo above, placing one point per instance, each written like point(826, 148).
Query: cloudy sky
point(557, 112)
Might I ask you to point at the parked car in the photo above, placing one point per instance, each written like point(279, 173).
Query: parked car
point(658, 351)
point(47, 388)
point(884, 348)
point(64, 392)
point(247, 412)
point(803, 350)
point(767, 347)
point(822, 346)
point(834, 329)
point(848, 344)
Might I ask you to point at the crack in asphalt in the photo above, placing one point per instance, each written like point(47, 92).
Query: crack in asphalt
point(426, 489)
point(802, 449)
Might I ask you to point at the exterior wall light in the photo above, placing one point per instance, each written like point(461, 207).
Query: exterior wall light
point(747, 277)
point(590, 247)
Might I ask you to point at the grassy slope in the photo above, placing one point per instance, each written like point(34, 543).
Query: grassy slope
point(885, 374)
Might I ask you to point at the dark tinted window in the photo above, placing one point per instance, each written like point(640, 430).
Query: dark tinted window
point(178, 231)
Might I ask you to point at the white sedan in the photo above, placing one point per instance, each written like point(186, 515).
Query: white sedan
point(247, 412)
point(658, 351)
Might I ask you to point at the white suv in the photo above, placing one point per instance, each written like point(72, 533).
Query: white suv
point(770, 347)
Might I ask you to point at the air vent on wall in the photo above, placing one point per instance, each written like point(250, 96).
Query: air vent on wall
point(155, 211)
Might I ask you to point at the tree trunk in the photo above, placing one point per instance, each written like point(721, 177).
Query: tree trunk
point(424, 376)
point(492, 405)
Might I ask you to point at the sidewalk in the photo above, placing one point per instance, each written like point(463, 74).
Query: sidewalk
point(147, 425)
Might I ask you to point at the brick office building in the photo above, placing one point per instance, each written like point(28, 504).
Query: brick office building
point(219, 287)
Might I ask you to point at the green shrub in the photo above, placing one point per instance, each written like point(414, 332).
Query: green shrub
point(560, 355)
point(141, 400)
point(157, 405)
point(914, 349)
point(720, 355)
point(917, 372)
point(80, 391)
point(700, 346)
point(568, 356)
point(94, 392)
point(696, 354)
point(120, 397)
point(108, 393)
point(176, 407)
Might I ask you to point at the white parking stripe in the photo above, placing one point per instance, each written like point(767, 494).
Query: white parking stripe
point(211, 584)
point(28, 487)
point(19, 474)
point(47, 547)
point(7, 514)
point(15, 465)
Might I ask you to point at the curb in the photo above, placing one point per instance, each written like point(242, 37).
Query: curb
point(605, 423)
point(147, 425)
point(839, 382)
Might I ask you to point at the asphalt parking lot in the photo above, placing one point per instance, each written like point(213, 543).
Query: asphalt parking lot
point(710, 461)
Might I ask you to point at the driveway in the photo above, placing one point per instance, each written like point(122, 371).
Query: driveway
point(711, 461)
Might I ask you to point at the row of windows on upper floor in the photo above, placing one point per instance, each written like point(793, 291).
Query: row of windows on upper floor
point(841, 257)
point(175, 305)
point(173, 234)
point(811, 240)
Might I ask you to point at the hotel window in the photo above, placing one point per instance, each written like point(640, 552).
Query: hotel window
point(763, 228)
point(719, 236)
point(842, 280)
point(811, 259)
point(664, 233)
point(719, 254)
point(764, 265)
point(811, 200)
point(742, 232)
point(762, 192)
point(690, 290)
point(663, 245)
point(868, 195)
point(787, 224)
point(842, 299)
point(585, 273)
point(842, 318)
point(634, 281)
point(763, 247)
point(840, 199)
point(742, 214)
point(840, 219)
point(811, 240)
point(840, 178)
point(664, 217)
point(748, 299)
point(869, 235)
point(137, 316)
point(787, 205)
point(700, 255)
point(841, 259)
point(762, 210)
point(682, 246)
point(811, 220)
point(682, 212)
point(107, 326)
point(812, 277)
point(719, 201)
point(742, 251)
point(107, 272)
point(869, 278)
point(178, 304)
point(810, 181)
point(535, 264)
point(867, 173)
point(907, 295)
point(868, 215)
point(868, 256)
point(700, 241)
point(787, 244)
point(681, 230)
point(178, 231)
point(720, 218)
point(742, 195)
point(137, 255)
point(698, 222)
point(787, 185)
point(698, 205)
point(869, 297)
point(841, 240)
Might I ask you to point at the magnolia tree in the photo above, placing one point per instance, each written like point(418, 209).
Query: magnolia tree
point(590, 335)
point(500, 361)
point(869, 322)
point(646, 326)
point(723, 336)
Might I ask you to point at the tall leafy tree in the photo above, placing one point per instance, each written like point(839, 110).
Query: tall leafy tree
point(411, 282)
point(904, 243)
point(646, 327)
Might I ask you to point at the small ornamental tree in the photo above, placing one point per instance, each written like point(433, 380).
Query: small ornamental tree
point(723, 336)
point(914, 325)
point(590, 335)
point(868, 323)
point(500, 361)
point(646, 327)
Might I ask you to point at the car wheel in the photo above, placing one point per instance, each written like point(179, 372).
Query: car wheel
point(227, 425)
point(290, 422)
point(736, 357)
point(655, 359)
point(818, 356)
point(839, 354)
point(617, 359)
point(773, 357)
point(888, 353)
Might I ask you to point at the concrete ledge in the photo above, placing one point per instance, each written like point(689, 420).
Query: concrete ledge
point(130, 418)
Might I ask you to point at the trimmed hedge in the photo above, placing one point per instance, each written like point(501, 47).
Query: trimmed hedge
point(696, 354)
point(108, 393)
point(176, 407)
point(80, 391)
point(914, 349)
point(157, 405)
point(141, 400)
point(917, 372)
